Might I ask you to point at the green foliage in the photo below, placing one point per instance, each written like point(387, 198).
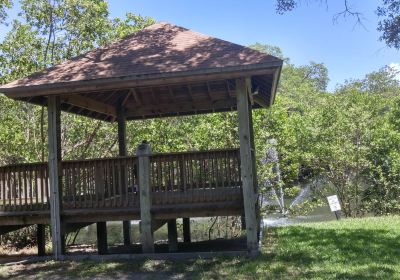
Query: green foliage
point(19, 239)
point(4, 4)
point(390, 24)
point(131, 24)
point(44, 34)
point(268, 49)
point(346, 141)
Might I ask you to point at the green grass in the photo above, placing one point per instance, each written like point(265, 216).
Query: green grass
point(366, 248)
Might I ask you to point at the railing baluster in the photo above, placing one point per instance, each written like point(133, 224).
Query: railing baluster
point(120, 182)
point(41, 184)
point(9, 187)
point(35, 186)
point(126, 181)
point(46, 188)
point(114, 183)
point(3, 190)
point(15, 189)
point(30, 176)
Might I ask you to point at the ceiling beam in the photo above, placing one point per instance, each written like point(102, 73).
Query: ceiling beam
point(209, 91)
point(175, 108)
point(190, 92)
point(135, 96)
point(135, 81)
point(275, 83)
point(90, 104)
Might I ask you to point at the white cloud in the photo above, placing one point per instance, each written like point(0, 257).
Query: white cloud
point(396, 67)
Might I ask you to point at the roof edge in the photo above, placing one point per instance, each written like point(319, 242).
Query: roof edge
point(139, 80)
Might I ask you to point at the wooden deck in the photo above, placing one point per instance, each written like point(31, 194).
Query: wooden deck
point(188, 184)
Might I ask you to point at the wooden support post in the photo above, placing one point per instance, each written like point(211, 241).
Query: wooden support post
point(247, 163)
point(41, 239)
point(102, 238)
point(243, 222)
point(54, 142)
point(253, 156)
point(126, 225)
point(186, 230)
point(143, 152)
point(172, 236)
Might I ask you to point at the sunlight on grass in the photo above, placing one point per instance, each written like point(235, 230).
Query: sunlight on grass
point(366, 248)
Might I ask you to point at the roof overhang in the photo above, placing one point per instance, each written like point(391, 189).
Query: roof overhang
point(154, 79)
point(101, 99)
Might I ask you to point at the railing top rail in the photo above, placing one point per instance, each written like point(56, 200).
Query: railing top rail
point(43, 164)
point(17, 165)
point(66, 161)
point(100, 159)
point(197, 152)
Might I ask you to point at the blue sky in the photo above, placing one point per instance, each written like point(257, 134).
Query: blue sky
point(304, 35)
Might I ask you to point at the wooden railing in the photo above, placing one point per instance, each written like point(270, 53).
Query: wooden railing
point(24, 187)
point(193, 177)
point(100, 183)
point(177, 178)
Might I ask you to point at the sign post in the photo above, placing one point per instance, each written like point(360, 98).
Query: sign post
point(334, 204)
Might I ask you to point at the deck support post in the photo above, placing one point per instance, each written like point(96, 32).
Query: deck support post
point(54, 143)
point(172, 236)
point(243, 222)
point(41, 239)
point(186, 230)
point(121, 118)
point(143, 152)
point(247, 166)
point(101, 228)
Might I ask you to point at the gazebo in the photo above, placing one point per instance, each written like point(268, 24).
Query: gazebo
point(162, 71)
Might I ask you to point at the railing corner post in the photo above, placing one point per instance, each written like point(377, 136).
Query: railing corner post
point(143, 152)
point(54, 144)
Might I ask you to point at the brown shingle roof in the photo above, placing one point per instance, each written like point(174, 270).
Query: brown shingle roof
point(158, 49)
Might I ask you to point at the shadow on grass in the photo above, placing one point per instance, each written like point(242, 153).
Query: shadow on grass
point(294, 252)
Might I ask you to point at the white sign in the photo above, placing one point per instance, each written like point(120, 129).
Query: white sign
point(334, 203)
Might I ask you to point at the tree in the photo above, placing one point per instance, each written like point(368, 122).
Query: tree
point(359, 142)
point(389, 26)
point(46, 33)
point(287, 128)
point(389, 12)
point(269, 49)
point(4, 4)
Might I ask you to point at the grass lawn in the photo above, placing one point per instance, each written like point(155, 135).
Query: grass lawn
point(366, 248)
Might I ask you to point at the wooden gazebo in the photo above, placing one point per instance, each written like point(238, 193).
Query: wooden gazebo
point(161, 71)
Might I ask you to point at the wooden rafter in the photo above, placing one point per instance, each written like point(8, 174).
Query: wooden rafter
point(190, 92)
point(161, 109)
point(119, 84)
point(125, 99)
point(108, 98)
point(135, 96)
point(171, 93)
point(90, 104)
point(209, 91)
point(228, 89)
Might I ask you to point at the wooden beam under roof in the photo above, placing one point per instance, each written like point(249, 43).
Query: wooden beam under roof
point(136, 81)
point(135, 96)
point(90, 104)
point(177, 108)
